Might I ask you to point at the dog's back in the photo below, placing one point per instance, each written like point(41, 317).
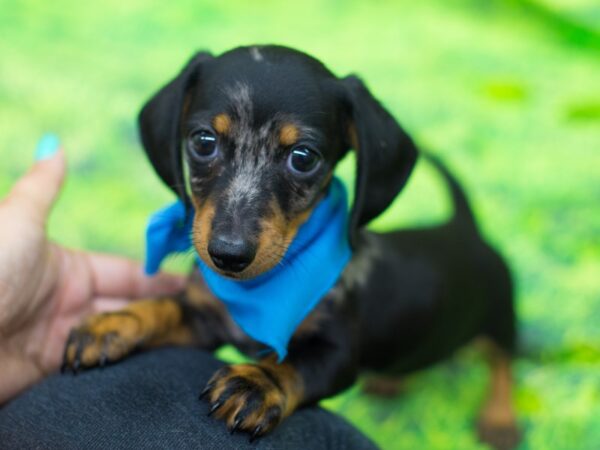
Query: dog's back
point(428, 291)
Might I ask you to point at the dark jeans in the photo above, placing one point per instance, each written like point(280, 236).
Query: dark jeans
point(150, 400)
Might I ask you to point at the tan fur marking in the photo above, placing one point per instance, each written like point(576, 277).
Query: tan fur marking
point(353, 136)
point(118, 333)
point(286, 394)
point(198, 296)
point(498, 409)
point(277, 234)
point(202, 229)
point(296, 223)
point(288, 134)
point(272, 243)
point(290, 381)
point(497, 423)
point(222, 123)
point(180, 335)
point(382, 385)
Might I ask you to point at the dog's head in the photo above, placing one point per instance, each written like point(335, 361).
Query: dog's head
point(258, 132)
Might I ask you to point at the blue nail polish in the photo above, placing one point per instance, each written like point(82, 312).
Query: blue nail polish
point(47, 147)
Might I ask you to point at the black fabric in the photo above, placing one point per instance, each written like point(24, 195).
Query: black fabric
point(150, 401)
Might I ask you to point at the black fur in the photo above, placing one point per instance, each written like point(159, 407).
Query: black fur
point(408, 298)
point(386, 154)
point(159, 123)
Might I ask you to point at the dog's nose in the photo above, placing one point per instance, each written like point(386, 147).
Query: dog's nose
point(231, 254)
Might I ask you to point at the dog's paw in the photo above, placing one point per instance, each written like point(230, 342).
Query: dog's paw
point(499, 435)
point(248, 398)
point(101, 339)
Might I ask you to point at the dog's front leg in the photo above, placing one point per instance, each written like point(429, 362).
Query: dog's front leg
point(194, 318)
point(255, 398)
point(110, 336)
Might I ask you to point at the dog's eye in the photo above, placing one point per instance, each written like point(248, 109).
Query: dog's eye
point(203, 145)
point(303, 160)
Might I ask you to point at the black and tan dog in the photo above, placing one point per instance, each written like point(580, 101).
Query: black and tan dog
point(258, 132)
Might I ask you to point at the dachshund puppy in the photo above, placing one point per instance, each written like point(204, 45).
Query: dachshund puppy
point(248, 141)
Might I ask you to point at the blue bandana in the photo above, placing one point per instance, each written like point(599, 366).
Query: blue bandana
point(270, 306)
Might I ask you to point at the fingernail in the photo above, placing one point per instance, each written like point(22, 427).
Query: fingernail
point(47, 147)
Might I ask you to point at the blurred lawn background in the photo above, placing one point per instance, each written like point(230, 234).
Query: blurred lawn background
point(507, 92)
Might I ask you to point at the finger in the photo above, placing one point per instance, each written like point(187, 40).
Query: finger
point(108, 304)
point(38, 189)
point(121, 277)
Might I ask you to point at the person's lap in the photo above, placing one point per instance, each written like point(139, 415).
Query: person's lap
point(150, 400)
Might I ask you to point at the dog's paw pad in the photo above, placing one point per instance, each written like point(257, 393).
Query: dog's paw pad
point(247, 398)
point(101, 339)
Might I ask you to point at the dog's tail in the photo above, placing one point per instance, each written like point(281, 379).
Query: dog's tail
point(463, 214)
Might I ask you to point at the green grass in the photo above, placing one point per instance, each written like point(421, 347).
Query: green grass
point(509, 97)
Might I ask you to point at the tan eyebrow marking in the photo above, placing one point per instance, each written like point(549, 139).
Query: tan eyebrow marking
point(288, 134)
point(222, 123)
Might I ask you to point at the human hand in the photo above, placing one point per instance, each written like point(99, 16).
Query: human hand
point(46, 289)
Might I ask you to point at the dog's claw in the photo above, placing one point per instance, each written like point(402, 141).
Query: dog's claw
point(75, 367)
point(204, 392)
point(235, 425)
point(213, 408)
point(255, 434)
point(103, 360)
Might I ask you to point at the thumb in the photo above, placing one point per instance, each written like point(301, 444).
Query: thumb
point(38, 189)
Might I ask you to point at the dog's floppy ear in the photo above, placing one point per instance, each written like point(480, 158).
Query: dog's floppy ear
point(385, 156)
point(160, 120)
